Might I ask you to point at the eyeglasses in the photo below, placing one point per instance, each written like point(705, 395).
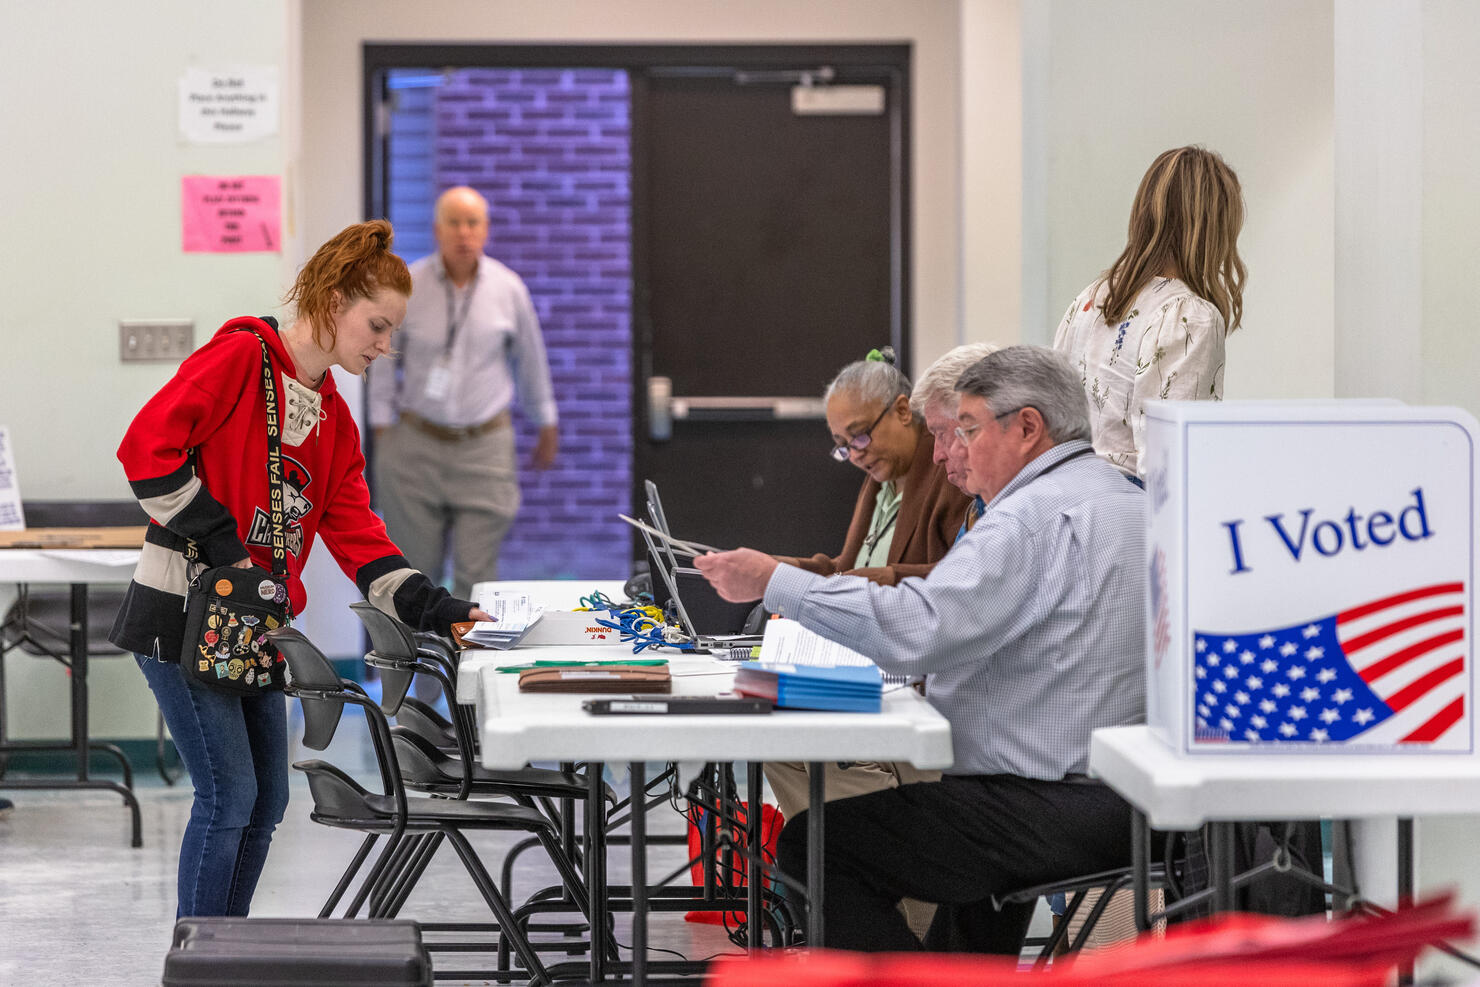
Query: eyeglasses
point(965, 432)
point(861, 440)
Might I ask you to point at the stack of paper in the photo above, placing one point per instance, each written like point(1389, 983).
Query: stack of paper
point(788, 642)
point(840, 688)
point(513, 615)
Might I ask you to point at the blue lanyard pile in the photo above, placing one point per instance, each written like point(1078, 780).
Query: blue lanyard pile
point(640, 626)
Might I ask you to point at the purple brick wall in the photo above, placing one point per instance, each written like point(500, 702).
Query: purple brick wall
point(551, 151)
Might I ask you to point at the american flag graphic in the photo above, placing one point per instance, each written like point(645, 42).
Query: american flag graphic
point(1391, 671)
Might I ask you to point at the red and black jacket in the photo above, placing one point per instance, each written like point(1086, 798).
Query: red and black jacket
point(196, 458)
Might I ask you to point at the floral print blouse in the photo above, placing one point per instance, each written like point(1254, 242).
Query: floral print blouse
point(1169, 346)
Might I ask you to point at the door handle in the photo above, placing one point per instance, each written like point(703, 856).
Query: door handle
point(664, 409)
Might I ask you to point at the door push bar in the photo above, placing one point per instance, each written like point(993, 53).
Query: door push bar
point(664, 409)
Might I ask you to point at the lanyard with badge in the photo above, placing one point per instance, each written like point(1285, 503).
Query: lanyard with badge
point(439, 378)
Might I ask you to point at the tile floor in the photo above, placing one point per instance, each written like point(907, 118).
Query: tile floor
point(79, 906)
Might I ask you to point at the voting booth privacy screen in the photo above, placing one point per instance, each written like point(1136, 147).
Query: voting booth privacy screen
point(1312, 577)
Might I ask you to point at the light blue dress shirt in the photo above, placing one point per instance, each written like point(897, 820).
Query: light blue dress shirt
point(1031, 631)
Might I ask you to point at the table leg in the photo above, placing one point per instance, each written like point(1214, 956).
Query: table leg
point(81, 746)
point(638, 774)
point(594, 859)
point(1405, 884)
point(816, 799)
point(1221, 865)
point(79, 678)
point(755, 872)
point(1140, 852)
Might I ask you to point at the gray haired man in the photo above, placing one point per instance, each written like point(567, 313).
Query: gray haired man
point(1030, 635)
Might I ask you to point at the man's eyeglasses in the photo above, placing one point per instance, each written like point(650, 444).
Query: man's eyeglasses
point(966, 432)
point(861, 440)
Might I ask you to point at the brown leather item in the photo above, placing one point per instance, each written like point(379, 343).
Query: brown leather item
point(606, 678)
point(450, 433)
point(460, 628)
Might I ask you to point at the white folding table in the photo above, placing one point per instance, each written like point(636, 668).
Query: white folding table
point(1170, 791)
point(78, 567)
point(516, 728)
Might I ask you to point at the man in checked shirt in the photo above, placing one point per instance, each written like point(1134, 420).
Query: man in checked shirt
point(1030, 634)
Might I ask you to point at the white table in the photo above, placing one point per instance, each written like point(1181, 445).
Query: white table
point(1172, 791)
point(516, 728)
point(1177, 792)
point(78, 567)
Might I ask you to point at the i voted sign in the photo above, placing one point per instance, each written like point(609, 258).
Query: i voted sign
point(1312, 577)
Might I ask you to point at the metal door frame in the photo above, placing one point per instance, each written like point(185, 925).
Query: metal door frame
point(850, 63)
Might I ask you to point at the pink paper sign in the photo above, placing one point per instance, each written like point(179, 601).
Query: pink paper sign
point(228, 215)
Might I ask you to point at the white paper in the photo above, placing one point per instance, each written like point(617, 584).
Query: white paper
point(12, 517)
point(513, 615)
point(787, 641)
point(229, 106)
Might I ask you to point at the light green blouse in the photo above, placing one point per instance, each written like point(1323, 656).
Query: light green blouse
point(875, 548)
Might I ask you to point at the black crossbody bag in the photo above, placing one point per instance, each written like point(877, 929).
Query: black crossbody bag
point(229, 610)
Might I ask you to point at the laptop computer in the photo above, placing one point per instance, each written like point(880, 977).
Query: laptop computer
point(700, 610)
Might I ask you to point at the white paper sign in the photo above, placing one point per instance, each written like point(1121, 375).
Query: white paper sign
point(12, 518)
point(1312, 577)
point(229, 106)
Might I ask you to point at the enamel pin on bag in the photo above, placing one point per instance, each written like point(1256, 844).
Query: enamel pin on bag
point(229, 610)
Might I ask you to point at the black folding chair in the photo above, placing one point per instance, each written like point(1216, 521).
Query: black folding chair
point(341, 802)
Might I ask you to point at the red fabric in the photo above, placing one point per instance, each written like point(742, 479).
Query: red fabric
point(771, 822)
point(1225, 951)
point(214, 405)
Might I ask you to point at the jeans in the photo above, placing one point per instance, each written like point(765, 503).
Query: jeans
point(236, 749)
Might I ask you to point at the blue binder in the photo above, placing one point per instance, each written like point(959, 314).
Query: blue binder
point(840, 688)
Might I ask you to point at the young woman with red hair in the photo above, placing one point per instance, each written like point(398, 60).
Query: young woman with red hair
point(196, 457)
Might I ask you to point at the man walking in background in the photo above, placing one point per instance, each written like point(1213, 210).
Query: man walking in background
point(444, 446)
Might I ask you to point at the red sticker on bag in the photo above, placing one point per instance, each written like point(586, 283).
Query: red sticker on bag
point(212, 637)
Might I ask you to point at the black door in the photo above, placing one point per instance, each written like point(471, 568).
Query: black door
point(768, 252)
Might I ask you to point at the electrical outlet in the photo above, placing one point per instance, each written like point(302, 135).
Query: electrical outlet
point(157, 340)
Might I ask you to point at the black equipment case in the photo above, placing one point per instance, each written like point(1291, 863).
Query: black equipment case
point(296, 952)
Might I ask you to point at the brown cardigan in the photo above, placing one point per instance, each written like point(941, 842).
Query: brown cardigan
point(931, 511)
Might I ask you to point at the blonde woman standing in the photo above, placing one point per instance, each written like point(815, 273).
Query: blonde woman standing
point(1153, 325)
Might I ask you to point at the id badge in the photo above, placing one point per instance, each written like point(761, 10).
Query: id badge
point(439, 381)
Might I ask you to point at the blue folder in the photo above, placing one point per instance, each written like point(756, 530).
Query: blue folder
point(838, 688)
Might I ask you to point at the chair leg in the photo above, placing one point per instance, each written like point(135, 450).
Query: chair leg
point(1093, 918)
point(387, 858)
point(412, 875)
point(1059, 932)
point(509, 929)
point(389, 879)
point(349, 874)
point(506, 871)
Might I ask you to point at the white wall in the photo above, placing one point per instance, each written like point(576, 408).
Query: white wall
point(92, 169)
point(1451, 202)
point(333, 31)
point(1450, 345)
point(1252, 80)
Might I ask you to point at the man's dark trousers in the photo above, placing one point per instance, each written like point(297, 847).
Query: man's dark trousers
point(956, 842)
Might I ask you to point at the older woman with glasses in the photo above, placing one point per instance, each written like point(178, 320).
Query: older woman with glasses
point(907, 513)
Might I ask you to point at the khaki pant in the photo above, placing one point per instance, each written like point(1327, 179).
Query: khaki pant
point(433, 494)
point(789, 780)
